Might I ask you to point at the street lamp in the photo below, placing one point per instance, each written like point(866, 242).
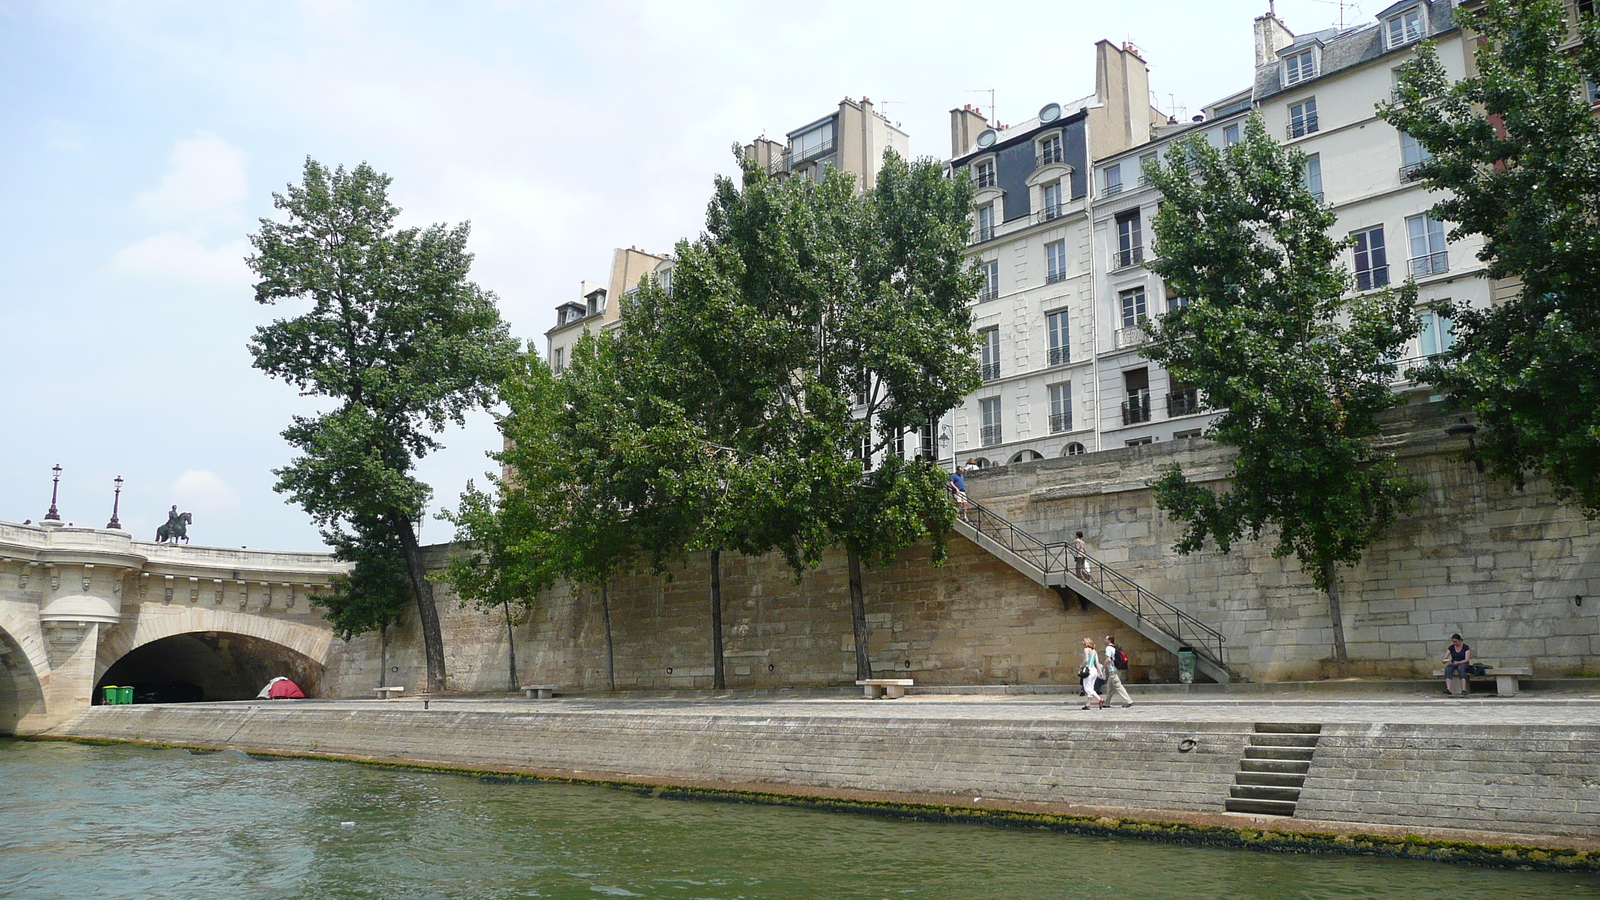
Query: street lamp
point(52, 515)
point(116, 500)
point(1462, 428)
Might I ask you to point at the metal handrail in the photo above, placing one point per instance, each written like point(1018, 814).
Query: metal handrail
point(1206, 641)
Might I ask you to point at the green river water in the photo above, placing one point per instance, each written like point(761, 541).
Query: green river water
point(80, 821)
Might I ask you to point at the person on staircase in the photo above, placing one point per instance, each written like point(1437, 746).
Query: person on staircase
point(1116, 660)
point(1080, 555)
point(1090, 673)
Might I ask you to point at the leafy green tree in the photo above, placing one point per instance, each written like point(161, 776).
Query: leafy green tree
point(402, 343)
point(1298, 368)
point(1517, 146)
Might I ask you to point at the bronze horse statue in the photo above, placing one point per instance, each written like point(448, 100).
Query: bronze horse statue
point(177, 527)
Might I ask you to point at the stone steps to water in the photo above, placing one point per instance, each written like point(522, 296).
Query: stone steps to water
point(1273, 769)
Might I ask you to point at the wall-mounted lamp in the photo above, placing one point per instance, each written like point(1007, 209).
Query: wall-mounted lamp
point(1462, 428)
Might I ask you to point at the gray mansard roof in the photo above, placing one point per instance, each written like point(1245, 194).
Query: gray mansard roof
point(1351, 47)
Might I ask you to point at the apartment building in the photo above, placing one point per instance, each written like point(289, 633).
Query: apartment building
point(1033, 241)
point(595, 307)
point(852, 138)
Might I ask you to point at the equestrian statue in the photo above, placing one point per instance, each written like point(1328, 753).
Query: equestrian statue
point(177, 527)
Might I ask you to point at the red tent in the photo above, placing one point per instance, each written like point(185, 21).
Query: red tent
point(281, 688)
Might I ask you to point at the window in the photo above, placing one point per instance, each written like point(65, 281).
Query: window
point(1052, 202)
point(1437, 334)
point(1130, 240)
point(1136, 408)
point(1585, 7)
point(990, 339)
point(991, 280)
point(1592, 91)
point(986, 176)
point(1140, 442)
point(1182, 400)
point(1072, 449)
point(1428, 256)
point(1113, 180)
point(1144, 161)
point(1311, 176)
point(1060, 349)
point(1133, 307)
point(1050, 150)
point(666, 281)
point(1230, 135)
point(1299, 67)
point(1412, 155)
point(558, 360)
point(1185, 435)
point(1372, 262)
point(1404, 28)
point(1175, 302)
point(985, 229)
point(991, 421)
point(1303, 117)
point(1055, 262)
point(925, 440)
point(1060, 407)
point(815, 142)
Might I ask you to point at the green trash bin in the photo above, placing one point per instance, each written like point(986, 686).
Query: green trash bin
point(1186, 665)
point(125, 693)
point(112, 694)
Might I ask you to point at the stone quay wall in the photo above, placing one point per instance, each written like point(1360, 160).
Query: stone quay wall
point(1516, 572)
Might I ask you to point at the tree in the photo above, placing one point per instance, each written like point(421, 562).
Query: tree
point(1298, 369)
point(1517, 146)
point(397, 337)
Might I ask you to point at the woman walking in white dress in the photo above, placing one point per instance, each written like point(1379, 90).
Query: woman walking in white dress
point(1091, 673)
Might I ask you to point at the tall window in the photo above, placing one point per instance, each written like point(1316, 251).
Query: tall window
point(1055, 262)
point(1113, 180)
point(1311, 175)
point(985, 223)
point(991, 421)
point(1303, 117)
point(925, 443)
point(1050, 150)
point(1300, 67)
point(1060, 345)
point(558, 358)
point(1143, 160)
point(1136, 408)
point(1133, 307)
point(666, 282)
point(816, 142)
point(1437, 334)
point(1412, 155)
point(1404, 28)
point(1182, 400)
point(1130, 239)
point(1230, 135)
point(1052, 201)
point(991, 280)
point(986, 176)
point(1174, 301)
point(990, 340)
point(1372, 261)
point(1061, 407)
point(1428, 256)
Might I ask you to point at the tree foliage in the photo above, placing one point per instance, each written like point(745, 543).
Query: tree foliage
point(1298, 369)
point(1517, 146)
point(402, 343)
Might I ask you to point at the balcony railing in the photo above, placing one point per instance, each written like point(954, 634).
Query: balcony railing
point(1318, 195)
point(1302, 126)
point(1049, 157)
point(1050, 213)
point(1055, 277)
point(1432, 264)
point(989, 435)
point(990, 371)
point(1060, 422)
point(1136, 410)
point(777, 164)
point(1408, 172)
point(987, 294)
point(1371, 279)
point(987, 178)
point(983, 233)
point(1132, 256)
point(1060, 356)
point(796, 157)
point(1113, 188)
point(1185, 402)
point(1132, 336)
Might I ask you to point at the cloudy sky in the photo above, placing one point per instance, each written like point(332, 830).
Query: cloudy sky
point(140, 142)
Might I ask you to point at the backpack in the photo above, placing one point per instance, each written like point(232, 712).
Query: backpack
point(1121, 659)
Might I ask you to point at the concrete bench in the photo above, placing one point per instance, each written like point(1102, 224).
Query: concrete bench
point(1506, 680)
point(890, 688)
point(389, 693)
point(539, 691)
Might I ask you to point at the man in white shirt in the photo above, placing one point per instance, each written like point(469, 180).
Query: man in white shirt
point(1115, 692)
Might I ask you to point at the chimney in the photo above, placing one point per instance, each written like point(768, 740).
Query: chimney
point(1271, 36)
point(965, 123)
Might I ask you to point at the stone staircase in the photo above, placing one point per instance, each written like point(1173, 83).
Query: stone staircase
point(1274, 769)
point(1054, 566)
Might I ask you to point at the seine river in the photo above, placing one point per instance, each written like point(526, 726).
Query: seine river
point(100, 822)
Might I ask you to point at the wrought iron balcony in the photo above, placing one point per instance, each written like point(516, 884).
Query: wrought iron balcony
point(1055, 277)
point(1060, 356)
point(983, 233)
point(1111, 189)
point(989, 436)
point(1132, 256)
point(1050, 156)
point(1132, 336)
point(1060, 422)
point(1432, 264)
point(1184, 402)
point(1372, 279)
point(1302, 126)
point(990, 371)
point(1408, 172)
point(1050, 213)
point(1136, 410)
point(986, 178)
point(988, 293)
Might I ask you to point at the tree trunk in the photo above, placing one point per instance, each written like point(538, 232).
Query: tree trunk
point(427, 613)
point(858, 616)
point(605, 612)
point(1341, 656)
point(719, 680)
point(511, 648)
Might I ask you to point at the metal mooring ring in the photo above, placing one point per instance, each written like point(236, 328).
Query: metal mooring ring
point(1185, 745)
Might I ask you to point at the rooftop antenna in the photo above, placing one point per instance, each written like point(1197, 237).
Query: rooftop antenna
point(993, 118)
point(1351, 5)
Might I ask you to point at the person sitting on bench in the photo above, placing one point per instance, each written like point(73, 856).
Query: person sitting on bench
point(1457, 658)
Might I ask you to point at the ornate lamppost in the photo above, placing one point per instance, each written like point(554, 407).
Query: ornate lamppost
point(116, 499)
point(52, 515)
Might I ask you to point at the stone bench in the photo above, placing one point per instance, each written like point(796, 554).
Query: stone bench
point(889, 688)
point(539, 691)
point(1506, 680)
point(389, 693)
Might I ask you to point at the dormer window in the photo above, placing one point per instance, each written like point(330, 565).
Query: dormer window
point(1050, 150)
point(1405, 27)
point(985, 173)
point(1300, 67)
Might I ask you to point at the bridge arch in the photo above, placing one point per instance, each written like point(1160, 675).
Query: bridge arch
point(174, 653)
point(20, 691)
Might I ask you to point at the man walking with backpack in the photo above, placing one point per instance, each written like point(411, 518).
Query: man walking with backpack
point(1116, 664)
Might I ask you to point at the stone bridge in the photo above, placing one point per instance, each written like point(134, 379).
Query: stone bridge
point(83, 607)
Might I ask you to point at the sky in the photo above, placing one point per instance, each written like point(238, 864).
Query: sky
point(141, 143)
